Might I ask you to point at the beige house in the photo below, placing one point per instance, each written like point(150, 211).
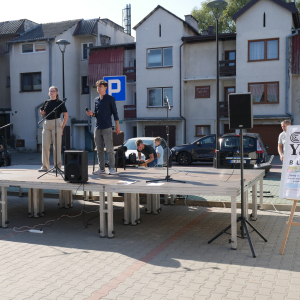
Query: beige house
point(36, 64)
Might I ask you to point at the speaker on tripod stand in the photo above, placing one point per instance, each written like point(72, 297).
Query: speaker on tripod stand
point(241, 117)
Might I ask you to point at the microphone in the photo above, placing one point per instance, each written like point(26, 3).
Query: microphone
point(86, 109)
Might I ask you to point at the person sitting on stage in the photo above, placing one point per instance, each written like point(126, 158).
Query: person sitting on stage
point(105, 107)
point(148, 151)
point(49, 128)
point(159, 152)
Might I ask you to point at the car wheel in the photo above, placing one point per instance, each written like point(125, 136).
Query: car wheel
point(184, 159)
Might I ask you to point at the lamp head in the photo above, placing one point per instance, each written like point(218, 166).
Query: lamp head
point(62, 44)
point(217, 6)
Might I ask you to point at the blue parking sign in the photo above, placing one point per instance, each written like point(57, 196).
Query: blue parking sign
point(116, 87)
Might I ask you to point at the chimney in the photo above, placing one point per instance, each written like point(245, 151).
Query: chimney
point(192, 21)
point(210, 30)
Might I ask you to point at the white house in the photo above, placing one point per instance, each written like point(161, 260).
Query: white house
point(36, 64)
point(158, 61)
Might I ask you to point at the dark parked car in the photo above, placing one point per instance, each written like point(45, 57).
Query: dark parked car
point(255, 152)
point(202, 149)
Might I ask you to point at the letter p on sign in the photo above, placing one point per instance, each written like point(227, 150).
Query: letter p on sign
point(116, 87)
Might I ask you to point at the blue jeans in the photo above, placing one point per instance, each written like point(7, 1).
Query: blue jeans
point(152, 164)
point(104, 137)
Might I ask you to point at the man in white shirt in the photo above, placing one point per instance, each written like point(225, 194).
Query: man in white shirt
point(281, 138)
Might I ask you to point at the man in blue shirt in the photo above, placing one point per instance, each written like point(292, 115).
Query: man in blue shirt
point(105, 107)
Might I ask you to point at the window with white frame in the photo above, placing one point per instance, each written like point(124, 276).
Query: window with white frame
point(263, 50)
point(34, 47)
point(157, 97)
point(86, 50)
point(160, 57)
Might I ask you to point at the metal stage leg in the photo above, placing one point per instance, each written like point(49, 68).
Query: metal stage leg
point(3, 215)
point(149, 204)
point(65, 199)
point(126, 208)
point(127, 204)
point(70, 199)
point(110, 215)
point(172, 199)
point(166, 199)
point(138, 211)
point(41, 202)
point(133, 212)
point(254, 203)
point(155, 203)
point(35, 196)
point(61, 202)
point(261, 195)
point(102, 213)
point(233, 224)
point(30, 203)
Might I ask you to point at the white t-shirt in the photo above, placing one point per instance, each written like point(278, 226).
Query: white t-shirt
point(281, 139)
point(159, 150)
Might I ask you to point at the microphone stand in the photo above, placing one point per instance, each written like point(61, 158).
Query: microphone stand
point(55, 167)
point(5, 142)
point(167, 178)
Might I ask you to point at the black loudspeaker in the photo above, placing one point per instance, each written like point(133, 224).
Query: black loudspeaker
point(76, 166)
point(240, 111)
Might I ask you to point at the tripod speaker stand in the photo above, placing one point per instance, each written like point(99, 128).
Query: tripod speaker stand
point(168, 177)
point(238, 103)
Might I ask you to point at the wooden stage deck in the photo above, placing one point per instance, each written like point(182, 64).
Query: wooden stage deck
point(204, 181)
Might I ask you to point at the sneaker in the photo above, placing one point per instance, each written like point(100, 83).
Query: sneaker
point(42, 169)
point(99, 172)
point(112, 171)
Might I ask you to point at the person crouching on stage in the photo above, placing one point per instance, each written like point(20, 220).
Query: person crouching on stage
point(48, 132)
point(105, 106)
point(148, 151)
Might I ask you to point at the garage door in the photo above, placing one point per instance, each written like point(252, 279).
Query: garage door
point(154, 131)
point(269, 135)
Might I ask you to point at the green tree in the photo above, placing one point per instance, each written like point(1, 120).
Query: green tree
point(205, 17)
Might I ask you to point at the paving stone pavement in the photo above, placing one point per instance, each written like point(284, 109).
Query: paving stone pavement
point(166, 256)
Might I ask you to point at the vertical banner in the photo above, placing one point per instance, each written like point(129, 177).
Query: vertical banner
point(290, 176)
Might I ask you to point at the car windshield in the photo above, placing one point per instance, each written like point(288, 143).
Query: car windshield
point(130, 144)
point(230, 143)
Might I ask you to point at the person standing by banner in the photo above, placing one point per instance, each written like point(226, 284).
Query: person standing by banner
point(282, 137)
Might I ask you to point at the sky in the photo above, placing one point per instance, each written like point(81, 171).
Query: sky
point(61, 10)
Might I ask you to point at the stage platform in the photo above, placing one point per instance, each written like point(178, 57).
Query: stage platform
point(131, 182)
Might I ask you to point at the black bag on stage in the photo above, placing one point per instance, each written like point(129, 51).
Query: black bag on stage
point(132, 158)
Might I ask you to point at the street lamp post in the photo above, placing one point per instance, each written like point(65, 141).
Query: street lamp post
point(217, 6)
point(62, 44)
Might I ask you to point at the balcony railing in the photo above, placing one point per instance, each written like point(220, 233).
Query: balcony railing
point(223, 109)
point(129, 111)
point(130, 73)
point(227, 68)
